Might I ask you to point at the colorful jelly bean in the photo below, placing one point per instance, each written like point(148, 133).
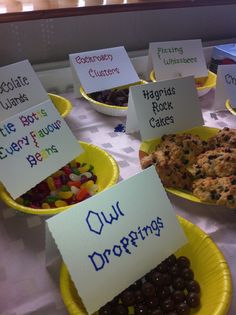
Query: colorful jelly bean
point(71, 184)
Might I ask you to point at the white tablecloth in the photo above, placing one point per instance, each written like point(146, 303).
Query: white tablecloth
point(27, 287)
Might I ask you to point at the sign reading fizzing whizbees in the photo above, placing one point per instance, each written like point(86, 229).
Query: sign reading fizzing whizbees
point(116, 237)
point(177, 59)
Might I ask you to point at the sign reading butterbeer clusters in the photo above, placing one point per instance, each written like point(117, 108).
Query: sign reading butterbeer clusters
point(102, 69)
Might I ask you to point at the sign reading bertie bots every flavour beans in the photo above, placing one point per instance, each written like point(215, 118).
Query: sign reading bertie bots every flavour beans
point(102, 69)
point(35, 142)
point(114, 238)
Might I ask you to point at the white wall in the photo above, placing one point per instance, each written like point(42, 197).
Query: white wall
point(52, 40)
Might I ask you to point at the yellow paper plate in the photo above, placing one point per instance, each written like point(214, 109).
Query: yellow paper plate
point(210, 269)
point(207, 83)
point(109, 110)
point(230, 108)
point(62, 104)
point(149, 146)
point(105, 168)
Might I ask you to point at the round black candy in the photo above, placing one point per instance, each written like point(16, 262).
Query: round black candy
point(120, 309)
point(141, 309)
point(171, 260)
point(167, 279)
point(174, 270)
point(157, 279)
point(153, 303)
point(148, 289)
point(178, 297)
point(183, 309)
point(168, 305)
point(106, 310)
point(179, 284)
point(183, 262)
point(162, 267)
point(139, 297)
point(193, 286)
point(128, 297)
point(164, 293)
point(187, 274)
point(193, 300)
point(157, 311)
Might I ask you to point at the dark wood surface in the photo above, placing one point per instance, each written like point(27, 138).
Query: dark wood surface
point(21, 10)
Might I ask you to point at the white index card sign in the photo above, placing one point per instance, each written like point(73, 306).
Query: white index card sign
point(163, 107)
point(225, 86)
point(102, 69)
point(177, 59)
point(20, 88)
point(34, 144)
point(115, 237)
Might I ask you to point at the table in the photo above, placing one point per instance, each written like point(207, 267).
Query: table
point(26, 285)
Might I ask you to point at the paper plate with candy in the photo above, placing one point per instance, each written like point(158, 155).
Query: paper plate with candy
point(185, 283)
point(203, 85)
point(91, 172)
point(62, 104)
point(113, 102)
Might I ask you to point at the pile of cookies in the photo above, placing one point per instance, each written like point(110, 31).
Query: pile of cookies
point(205, 168)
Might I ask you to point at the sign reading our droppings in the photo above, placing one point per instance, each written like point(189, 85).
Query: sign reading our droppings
point(20, 89)
point(163, 107)
point(34, 144)
point(102, 69)
point(128, 230)
point(225, 86)
point(177, 59)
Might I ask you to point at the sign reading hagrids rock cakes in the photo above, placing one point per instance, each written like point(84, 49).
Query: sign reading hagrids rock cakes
point(102, 69)
point(163, 107)
point(20, 89)
point(114, 238)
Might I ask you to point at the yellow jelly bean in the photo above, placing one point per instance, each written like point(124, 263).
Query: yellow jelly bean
point(73, 163)
point(58, 173)
point(65, 194)
point(89, 184)
point(60, 203)
point(84, 168)
point(51, 184)
point(45, 205)
point(20, 200)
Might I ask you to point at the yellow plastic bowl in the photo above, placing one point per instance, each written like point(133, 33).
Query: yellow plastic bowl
point(203, 85)
point(109, 110)
point(149, 146)
point(210, 269)
point(105, 168)
point(230, 108)
point(62, 104)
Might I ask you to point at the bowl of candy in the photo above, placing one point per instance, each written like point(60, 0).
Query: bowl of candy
point(203, 85)
point(231, 109)
point(184, 283)
point(112, 102)
point(62, 104)
point(91, 172)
